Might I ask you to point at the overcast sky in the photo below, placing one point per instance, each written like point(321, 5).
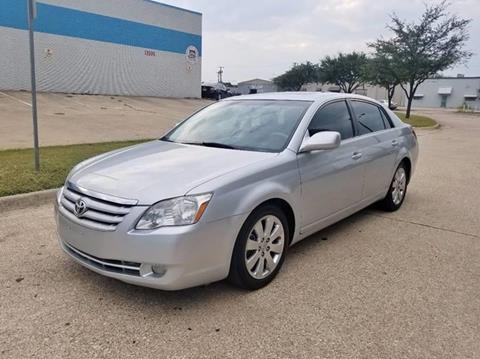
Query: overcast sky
point(262, 38)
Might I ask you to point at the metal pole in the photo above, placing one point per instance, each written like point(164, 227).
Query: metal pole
point(31, 17)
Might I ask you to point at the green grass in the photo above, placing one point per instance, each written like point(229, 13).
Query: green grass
point(417, 120)
point(17, 173)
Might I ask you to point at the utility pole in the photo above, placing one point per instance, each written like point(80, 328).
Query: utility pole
point(220, 74)
point(32, 13)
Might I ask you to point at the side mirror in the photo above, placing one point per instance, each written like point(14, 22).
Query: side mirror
point(327, 140)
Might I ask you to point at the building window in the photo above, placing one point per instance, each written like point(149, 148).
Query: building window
point(470, 97)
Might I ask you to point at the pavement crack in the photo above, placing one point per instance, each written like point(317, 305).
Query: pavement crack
point(138, 109)
point(425, 225)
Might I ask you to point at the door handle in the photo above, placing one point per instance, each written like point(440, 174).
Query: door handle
point(395, 143)
point(357, 155)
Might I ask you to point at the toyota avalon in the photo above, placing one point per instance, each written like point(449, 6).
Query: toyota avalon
point(226, 192)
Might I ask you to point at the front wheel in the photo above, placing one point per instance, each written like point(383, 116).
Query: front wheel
point(260, 248)
point(397, 191)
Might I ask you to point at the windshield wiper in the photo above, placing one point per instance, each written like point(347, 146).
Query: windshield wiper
point(211, 144)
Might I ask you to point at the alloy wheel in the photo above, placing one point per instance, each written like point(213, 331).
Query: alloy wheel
point(265, 247)
point(399, 185)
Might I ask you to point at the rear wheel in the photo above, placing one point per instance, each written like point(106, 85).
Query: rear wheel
point(260, 248)
point(397, 191)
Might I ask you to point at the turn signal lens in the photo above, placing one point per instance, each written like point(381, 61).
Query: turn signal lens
point(202, 209)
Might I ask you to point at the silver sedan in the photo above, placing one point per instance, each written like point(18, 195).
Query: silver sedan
point(228, 190)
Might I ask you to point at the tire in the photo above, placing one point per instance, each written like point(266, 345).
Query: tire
point(397, 191)
point(246, 268)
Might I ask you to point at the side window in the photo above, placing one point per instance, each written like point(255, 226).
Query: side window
point(333, 117)
point(369, 117)
point(386, 119)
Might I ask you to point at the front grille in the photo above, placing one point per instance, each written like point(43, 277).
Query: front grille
point(101, 213)
point(111, 265)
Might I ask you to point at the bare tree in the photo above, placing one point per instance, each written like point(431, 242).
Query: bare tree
point(420, 50)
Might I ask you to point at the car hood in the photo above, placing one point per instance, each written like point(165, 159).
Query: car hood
point(158, 170)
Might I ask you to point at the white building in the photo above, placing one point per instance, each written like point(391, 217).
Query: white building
point(114, 47)
point(256, 86)
point(449, 92)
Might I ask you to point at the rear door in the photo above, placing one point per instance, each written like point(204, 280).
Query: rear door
point(380, 146)
point(332, 180)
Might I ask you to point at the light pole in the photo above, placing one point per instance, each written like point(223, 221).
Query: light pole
point(220, 74)
point(32, 13)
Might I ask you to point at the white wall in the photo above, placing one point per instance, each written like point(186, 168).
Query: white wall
point(460, 88)
point(75, 65)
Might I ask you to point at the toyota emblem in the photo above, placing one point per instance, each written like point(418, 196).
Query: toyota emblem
point(80, 208)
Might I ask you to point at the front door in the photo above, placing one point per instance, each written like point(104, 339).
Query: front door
point(332, 180)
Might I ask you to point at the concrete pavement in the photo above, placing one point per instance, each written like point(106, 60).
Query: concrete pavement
point(399, 285)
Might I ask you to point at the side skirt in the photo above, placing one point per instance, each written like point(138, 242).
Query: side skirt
point(336, 217)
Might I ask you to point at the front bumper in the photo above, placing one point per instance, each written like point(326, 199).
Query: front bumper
point(191, 255)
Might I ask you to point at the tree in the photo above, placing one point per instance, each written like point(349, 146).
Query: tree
point(420, 50)
point(379, 71)
point(345, 70)
point(297, 76)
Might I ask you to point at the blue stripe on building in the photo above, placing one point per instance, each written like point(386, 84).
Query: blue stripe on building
point(63, 21)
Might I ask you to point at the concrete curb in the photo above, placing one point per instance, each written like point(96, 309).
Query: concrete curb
point(25, 200)
point(434, 127)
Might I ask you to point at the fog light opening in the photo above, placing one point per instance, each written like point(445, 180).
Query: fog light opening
point(158, 270)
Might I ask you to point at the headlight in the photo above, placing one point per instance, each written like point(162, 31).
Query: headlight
point(178, 211)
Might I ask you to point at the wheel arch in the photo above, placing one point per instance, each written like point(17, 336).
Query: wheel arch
point(405, 156)
point(408, 167)
point(286, 209)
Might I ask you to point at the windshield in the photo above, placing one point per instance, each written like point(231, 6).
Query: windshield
point(258, 125)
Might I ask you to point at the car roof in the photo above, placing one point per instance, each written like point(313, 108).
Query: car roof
point(299, 96)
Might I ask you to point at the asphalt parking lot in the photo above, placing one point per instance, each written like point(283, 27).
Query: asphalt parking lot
point(66, 119)
point(376, 285)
